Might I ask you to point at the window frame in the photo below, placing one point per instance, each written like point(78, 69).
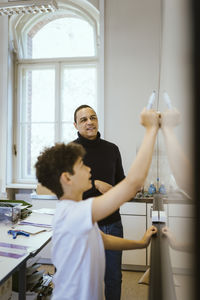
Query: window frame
point(20, 25)
point(18, 171)
point(97, 60)
point(58, 66)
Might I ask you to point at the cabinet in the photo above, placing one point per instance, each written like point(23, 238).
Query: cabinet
point(181, 222)
point(136, 218)
point(134, 224)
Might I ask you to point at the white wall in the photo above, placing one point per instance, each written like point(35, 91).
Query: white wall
point(131, 69)
point(132, 47)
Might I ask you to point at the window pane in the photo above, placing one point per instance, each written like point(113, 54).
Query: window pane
point(79, 87)
point(64, 37)
point(38, 95)
point(34, 137)
point(69, 132)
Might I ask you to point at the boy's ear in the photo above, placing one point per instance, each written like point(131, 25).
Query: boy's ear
point(75, 125)
point(65, 178)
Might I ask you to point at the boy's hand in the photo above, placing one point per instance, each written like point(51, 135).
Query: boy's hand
point(148, 234)
point(102, 186)
point(170, 118)
point(170, 236)
point(150, 118)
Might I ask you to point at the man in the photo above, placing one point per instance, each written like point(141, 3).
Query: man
point(104, 159)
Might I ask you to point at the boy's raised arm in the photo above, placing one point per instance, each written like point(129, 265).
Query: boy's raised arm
point(109, 202)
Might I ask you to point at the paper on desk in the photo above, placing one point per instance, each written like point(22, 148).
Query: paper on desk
point(16, 251)
point(35, 224)
point(12, 250)
point(48, 211)
point(13, 246)
point(35, 220)
point(11, 255)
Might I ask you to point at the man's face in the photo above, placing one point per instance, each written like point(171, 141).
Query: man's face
point(87, 123)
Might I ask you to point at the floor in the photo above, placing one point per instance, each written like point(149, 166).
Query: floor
point(131, 290)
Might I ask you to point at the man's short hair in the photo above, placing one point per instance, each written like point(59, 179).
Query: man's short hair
point(53, 161)
point(79, 108)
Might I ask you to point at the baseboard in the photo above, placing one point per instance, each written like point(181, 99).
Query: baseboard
point(137, 268)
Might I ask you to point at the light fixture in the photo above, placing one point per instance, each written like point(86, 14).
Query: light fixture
point(27, 7)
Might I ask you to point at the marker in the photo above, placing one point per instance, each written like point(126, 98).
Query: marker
point(151, 100)
point(167, 100)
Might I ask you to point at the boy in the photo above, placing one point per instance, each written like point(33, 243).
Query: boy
point(78, 244)
point(104, 159)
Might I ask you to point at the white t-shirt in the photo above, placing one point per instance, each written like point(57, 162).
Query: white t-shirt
point(77, 253)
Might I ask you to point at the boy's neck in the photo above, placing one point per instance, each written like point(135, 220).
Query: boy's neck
point(72, 196)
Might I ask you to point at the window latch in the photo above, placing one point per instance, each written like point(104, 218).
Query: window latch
point(15, 149)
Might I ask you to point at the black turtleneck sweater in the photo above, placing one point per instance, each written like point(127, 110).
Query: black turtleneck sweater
point(105, 162)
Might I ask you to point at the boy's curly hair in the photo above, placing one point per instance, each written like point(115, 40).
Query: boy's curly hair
point(53, 161)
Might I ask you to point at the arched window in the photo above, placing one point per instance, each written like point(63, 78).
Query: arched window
point(58, 70)
point(61, 37)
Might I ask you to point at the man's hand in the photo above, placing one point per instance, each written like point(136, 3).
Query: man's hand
point(102, 186)
point(148, 234)
point(150, 118)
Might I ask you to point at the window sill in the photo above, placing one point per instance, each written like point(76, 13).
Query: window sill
point(21, 186)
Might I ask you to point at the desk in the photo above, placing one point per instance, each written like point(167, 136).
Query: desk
point(28, 247)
